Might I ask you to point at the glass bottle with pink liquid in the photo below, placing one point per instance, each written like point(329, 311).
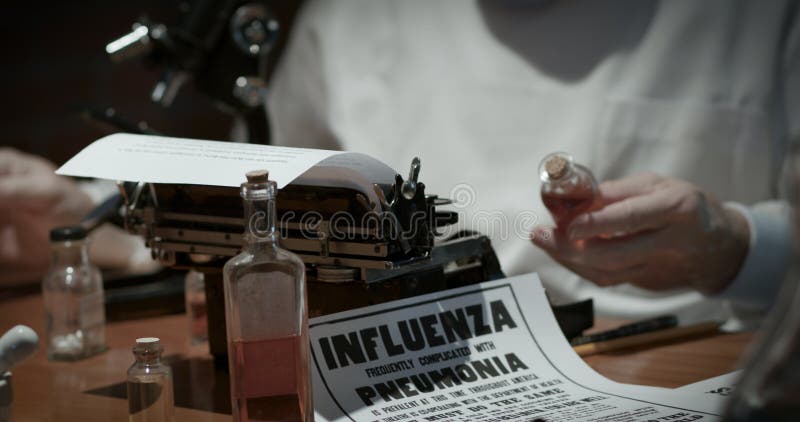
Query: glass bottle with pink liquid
point(568, 188)
point(267, 317)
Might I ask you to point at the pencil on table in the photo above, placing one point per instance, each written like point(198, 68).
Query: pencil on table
point(646, 338)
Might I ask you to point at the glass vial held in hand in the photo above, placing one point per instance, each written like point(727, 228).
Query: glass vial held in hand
point(568, 188)
point(75, 315)
point(150, 395)
point(267, 317)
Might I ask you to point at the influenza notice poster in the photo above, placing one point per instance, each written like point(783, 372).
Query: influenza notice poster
point(488, 352)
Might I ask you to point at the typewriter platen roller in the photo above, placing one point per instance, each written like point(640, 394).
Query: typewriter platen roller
point(366, 235)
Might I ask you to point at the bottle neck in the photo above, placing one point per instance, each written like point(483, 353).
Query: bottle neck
point(260, 229)
point(71, 253)
point(148, 357)
point(568, 174)
point(556, 167)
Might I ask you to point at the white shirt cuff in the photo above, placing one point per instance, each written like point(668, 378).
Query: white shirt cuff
point(767, 261)
point(99, 189)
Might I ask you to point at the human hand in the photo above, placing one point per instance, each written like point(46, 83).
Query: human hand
point(654, 232)
point(33, 200)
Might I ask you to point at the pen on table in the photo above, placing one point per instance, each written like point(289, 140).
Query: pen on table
point(647, 338)
point(639, 327)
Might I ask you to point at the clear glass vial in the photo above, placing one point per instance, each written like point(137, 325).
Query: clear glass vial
point(568, 188)
point(73, 297)
point(150, 395)
point(267, 317)
point(195, 288)
point(769, 389)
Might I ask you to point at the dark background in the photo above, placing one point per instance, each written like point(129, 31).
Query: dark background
point(54, 64)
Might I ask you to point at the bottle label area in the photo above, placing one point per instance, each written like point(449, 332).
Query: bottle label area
point(267, 367)
point(92, 310)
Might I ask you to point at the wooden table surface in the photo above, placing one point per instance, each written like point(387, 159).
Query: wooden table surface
point(93, 389)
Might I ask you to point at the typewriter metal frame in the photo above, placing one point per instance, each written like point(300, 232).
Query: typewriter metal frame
point(387, 254)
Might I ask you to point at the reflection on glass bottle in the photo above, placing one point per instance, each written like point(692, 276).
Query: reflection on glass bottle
point(769, 389)
point(73, 296)
point(150, 395)
point(568, 188)
point(770, 386)
point(267, 317)
point(195, 288)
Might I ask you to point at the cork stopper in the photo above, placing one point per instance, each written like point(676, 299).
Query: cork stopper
point(148, 341)
point(148, 347)
point(556, 166)
point(257, 176)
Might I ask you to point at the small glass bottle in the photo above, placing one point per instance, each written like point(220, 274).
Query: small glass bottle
point(150, 395)
point(73, 296)
point(769, 389)
point(195, 288)
point(267, 317)
point(568, 188)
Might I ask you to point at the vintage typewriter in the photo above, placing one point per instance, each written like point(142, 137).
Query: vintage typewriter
point(366, 236)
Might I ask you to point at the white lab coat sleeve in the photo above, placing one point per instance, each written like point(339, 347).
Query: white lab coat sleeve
point(771, 230)
point(791, 71)
point(98, 189)
point(768, 256)
point(111, 247)
point(297, 103)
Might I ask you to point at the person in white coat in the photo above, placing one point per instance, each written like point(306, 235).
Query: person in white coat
point(684, 110)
